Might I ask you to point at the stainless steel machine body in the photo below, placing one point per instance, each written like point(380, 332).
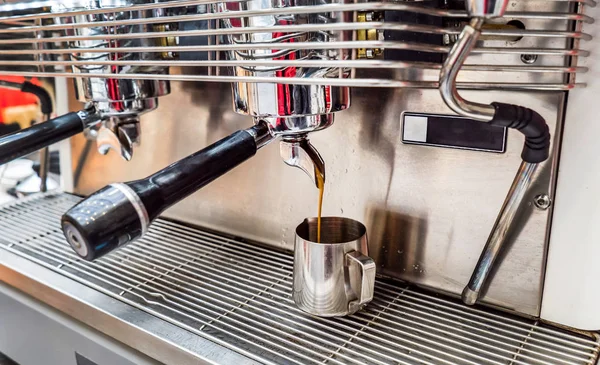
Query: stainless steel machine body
point(419, 201)
point(428, 210)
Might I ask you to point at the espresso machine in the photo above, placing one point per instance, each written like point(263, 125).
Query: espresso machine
point(452, 133)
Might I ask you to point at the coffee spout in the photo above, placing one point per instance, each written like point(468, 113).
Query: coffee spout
point(300, 153)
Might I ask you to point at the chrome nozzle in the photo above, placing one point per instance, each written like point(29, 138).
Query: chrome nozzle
point(302, 154)
point(486, 8)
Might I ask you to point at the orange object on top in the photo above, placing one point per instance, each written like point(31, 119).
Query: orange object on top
point(10, 98)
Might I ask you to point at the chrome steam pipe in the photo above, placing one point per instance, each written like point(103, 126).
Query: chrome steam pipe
point(486, 8)
point(456, 58)
point(499, 232)
point(527, 121)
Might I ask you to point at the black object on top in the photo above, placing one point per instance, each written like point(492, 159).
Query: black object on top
point(9, 128)
point(408, 17)
point(42, 95)
point(531, 124)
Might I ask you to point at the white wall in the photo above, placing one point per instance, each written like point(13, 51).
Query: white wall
point(572, 285)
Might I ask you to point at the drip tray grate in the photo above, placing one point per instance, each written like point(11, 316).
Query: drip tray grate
point(238, 295)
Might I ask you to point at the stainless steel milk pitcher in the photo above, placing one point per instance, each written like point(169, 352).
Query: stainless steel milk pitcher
point(335, 277)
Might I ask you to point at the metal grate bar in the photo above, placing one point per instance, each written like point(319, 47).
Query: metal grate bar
point(456, 322)
point(463, 338)
point(278, 46)
point(495, 318)
point(138, 7)
point(237, 294)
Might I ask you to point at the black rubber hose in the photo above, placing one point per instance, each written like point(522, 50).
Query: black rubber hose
point(42, 95)
point(531, 124)
point(120, 213)
point(28, 140)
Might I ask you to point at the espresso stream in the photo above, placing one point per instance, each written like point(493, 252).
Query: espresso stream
point(321, 186)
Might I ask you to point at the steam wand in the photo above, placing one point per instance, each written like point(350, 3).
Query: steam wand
point(121, 213)
point(527, 121)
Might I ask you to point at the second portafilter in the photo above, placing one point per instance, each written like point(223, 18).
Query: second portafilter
point(292, 111)
point(113, 106)
point(96, 51)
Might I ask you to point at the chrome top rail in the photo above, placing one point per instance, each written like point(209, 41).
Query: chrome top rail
point(541, 55)
point(181, 3)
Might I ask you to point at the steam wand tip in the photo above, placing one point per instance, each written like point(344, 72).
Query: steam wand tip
point(469, 296)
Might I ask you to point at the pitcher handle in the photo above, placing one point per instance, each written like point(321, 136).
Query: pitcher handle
point(367, 268)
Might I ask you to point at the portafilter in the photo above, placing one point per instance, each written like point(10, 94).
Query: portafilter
point(121, 213)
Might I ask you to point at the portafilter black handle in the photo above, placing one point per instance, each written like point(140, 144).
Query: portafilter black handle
point(121, 213)
point(28, 140)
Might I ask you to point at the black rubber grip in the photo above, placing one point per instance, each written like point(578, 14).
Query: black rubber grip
point(181, 179)
point(43, 96)
point(101, 223)
point(26, 141)
point(531, 124)
point(110, 218)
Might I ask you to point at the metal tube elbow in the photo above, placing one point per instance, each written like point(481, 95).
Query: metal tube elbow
point(456, 58)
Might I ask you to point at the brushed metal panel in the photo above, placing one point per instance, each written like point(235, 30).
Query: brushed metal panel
point(428, 210)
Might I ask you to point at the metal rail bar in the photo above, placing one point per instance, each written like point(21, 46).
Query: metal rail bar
point(304, 63)
point(396, 26)
point(375, 6)
point(103, 10)
point(421, 47)
point(385, 83)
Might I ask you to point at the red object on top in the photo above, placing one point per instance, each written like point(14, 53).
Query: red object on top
point(10, 98)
